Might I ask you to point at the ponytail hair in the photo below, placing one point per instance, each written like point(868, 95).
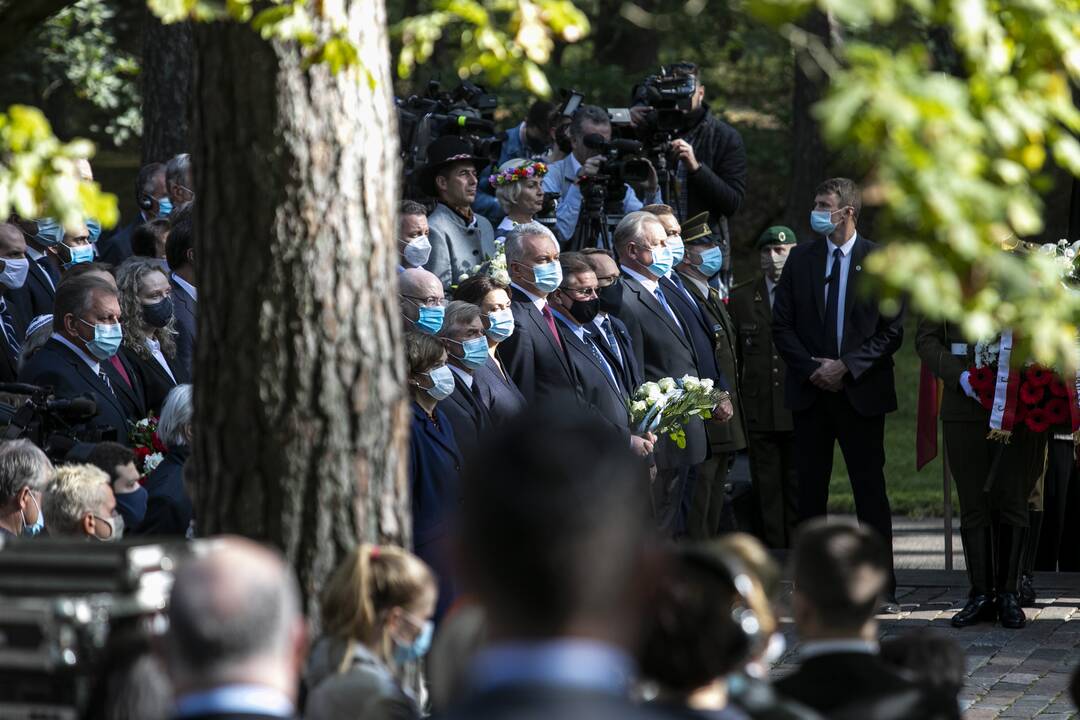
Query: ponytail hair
point(370, 581)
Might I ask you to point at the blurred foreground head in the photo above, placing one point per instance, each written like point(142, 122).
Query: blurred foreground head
point(553, 529)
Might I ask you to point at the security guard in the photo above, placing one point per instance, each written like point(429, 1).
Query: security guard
point(701, 263)
point(993, 479)
point(761, 385)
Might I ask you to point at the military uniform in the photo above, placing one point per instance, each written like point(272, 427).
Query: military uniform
point(990, 507)
point(768, 423)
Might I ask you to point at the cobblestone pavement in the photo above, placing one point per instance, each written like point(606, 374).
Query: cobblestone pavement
point(1011, 673)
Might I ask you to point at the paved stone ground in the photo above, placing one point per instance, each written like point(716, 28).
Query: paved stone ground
point(1011, 673)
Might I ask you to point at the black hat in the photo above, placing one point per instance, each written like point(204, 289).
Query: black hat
point(443, 151)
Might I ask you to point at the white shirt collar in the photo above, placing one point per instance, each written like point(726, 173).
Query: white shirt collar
point(846, 247)
point(578, 330)
point(465, 377)
point(90, 362)
point(701, 285)
point(814, 648)
point(539, 302)
point(187, 287)
point(650, 285)
point(34, 254)
point(769, 284)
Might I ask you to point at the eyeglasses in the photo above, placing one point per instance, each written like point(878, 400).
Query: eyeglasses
point(428, 301)
point(580, 292)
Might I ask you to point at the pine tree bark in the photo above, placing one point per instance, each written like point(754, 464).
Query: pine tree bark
point(166, 85)
point(301, 418)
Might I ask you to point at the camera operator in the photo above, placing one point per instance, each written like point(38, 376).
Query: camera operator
point(709, 156)
point(584, 162)
point(529, 140)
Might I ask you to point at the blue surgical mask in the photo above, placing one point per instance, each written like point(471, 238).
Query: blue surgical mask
point(547, 277)
point(476, 353)
point(442, 378)
point(431, 318)
point(164, 206)
point(661, 261)
point(79, 254)
point(418, 648)
point(50, 232)
point(106, 340)
point(39, 524)
point(500, 325)
point(821, 222)
point(132, 506)
point(678, 249)
point(712, 259)
point(93, 228)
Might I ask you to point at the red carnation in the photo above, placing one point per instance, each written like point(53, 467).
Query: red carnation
point(1057, 411)
point(981, 378)
point(1058, 388)
point(1030, 393)
point(1037, 420)
point(986, 400)
point(1039, 376)
point(158, 445)
point(141, 453)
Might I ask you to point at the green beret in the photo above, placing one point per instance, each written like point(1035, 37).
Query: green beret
point(776, 235)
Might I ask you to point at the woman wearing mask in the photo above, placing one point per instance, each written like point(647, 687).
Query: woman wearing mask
point(149, 329)
point(434, 458)
point(494, 385)
point(518, 189)
point(377, 612)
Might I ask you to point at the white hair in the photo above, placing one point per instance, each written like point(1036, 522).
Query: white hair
point(515, 239)
point(176, 416)
point(22, 464)
point(632, 227)
point(75, 491)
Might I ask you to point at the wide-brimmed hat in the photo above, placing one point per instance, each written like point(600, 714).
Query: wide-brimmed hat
point(443, 151)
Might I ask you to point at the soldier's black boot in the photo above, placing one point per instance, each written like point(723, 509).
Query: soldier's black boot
point(978, 554)
point(1031, 548)
point(1010, 555)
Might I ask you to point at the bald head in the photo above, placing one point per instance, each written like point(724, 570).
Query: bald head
point(234, 617)
point(417, 287)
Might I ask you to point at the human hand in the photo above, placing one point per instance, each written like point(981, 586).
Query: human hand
point(591, 166)
point(642, 445)
point(965, 385)
point(639, 115)
point(685, 151)
point(723, 411)
point(830, 375)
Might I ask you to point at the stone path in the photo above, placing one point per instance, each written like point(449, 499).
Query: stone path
point(1011, 673)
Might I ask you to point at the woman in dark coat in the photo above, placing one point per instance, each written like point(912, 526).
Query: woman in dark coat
point(168, 506)
point(149, 344)
point(493, 384)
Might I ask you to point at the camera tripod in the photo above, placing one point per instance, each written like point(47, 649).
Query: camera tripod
point(601, 211)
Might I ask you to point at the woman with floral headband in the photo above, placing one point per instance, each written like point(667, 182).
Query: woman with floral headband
point(518, 189)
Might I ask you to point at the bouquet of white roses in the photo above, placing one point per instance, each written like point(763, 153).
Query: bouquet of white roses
point(667, 405)
point(495, 266)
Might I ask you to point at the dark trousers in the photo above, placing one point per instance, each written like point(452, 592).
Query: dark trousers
point(1059, 542)
point(706, 508)
point(776, 485)
point(971, 460)
point(670, 488)
point(829, 420)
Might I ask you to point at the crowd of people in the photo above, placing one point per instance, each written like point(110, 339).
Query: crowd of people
point(566, 561)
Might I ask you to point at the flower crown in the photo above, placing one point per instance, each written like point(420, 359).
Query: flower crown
point(521, 172)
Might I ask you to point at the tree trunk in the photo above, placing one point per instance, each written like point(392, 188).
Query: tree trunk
point(166, 89)
point(613, 35)
point(301, 419)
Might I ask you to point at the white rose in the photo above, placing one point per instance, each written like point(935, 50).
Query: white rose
point(654, 396)
point(666, 384)
point(638, 406)
point(707, 385)
point(690, 383)
point(152, 461)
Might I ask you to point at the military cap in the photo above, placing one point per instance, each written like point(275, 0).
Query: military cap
point(776, 235)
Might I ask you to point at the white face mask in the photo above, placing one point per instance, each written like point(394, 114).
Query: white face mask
point(417, 251)
point(13, 276)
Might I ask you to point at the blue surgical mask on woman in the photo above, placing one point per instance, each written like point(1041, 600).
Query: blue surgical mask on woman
point(418, 648)
point(547, 277)
point(678, 249)
point(430, 318)
point(712, 259)
point(661, 261)
point(500, 324)
point(475, 353)
point(39, 524)
point(106, 340)
point(442, 382)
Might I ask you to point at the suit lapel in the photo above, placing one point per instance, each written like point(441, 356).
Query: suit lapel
point(649, 300)
point(580, 348)
point(542, 326)
point(817, 276)
point(858, 253)
point(88, 375)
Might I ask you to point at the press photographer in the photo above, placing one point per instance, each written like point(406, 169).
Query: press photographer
point(706, 155)
point(586, 161)
point(531, 139)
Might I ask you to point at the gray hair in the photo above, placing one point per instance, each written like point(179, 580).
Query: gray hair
point(515, 239)
point(176, 416)
point(592, 113)
point(178, 170)
point(22, 464)
point(631, 228)
point(458, 313)
point(75, 491)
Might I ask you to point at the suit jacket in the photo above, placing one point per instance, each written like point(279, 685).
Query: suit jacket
point(155, 382)
point(435, 464)
point(731, 435)
point(537, 702)
point(186, 309)
point(948, 353)
point(19, 315)
point(56, 365)
point(537, 365)
point(867, 683)
point(116, 248)
point(35, 297)
point(467, 415)
point(662, 350)
point(456, 248)
point(629, 371)
point(597, 387)
point(761, 369)
point(168, 507)
point(498, 392)
point(869, 342)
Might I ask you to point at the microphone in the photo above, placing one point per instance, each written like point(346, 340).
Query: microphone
point(20, 388)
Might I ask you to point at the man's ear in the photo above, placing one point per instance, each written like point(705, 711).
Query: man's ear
point(87, 524)
point(441, 182)
point(70, 324)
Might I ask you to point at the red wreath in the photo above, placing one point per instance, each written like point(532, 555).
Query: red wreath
point(1058, 389)
point(1037, 420)
point(1039, 376)
point(1030, 393)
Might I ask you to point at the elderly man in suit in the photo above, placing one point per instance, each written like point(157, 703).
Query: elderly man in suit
point(460, 239)
point(535, 355)
point(462, 336)
point(180, 253)
point(838, 347)
point(76, 359)
point(761, 373)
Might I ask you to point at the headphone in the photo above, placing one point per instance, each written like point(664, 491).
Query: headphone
point(145, 201)
point(750, 638)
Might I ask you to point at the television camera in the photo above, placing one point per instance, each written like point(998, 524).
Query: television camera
point(602, 194)
point(54, 424)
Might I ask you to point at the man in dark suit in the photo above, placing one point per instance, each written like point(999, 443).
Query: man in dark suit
point(180, 254)
point(36, 295)
point(840, 573)
point(76, 359)
point(663, 348)
point(462, 335)
point(15, 310)
point(554, 541)
point(535, 354)
point(153, 202)
point(609, 331)
point(255, 675)
point(761, 374)
point(838, 347)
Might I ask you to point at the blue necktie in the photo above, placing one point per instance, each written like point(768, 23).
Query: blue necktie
point(599, 357)
point(663, 301)
point(832, 305)
point(609, 336)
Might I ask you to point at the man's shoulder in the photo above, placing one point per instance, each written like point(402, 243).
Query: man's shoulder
point(745, 289)
point(529, 703)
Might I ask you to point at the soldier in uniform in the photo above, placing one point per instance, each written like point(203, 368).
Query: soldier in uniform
point(993, 480)
point(761, 386)
point(701, 264)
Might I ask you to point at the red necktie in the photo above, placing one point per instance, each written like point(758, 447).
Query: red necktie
point(546, 312)
point(115, 362)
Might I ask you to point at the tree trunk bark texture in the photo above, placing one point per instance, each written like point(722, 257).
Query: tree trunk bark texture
point(166, 85)
point(301, 418)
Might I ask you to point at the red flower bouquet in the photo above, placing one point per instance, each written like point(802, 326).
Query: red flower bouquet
point(149, 450)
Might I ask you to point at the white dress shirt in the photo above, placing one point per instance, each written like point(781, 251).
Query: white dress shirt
point(155, 350)
point(187, 287)
point(770, 287)
point(652, 286)
point(465, 377)
point(845, 271)
point(536, 300)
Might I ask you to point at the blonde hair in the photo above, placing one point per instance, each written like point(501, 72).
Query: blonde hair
point(130, 277)
point(370, 581)
point(508, 194)
point(75, 491)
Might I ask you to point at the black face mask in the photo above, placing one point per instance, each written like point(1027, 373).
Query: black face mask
point(584, 310)
point(535, 146)
point(159, 314)
point(611, 297)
